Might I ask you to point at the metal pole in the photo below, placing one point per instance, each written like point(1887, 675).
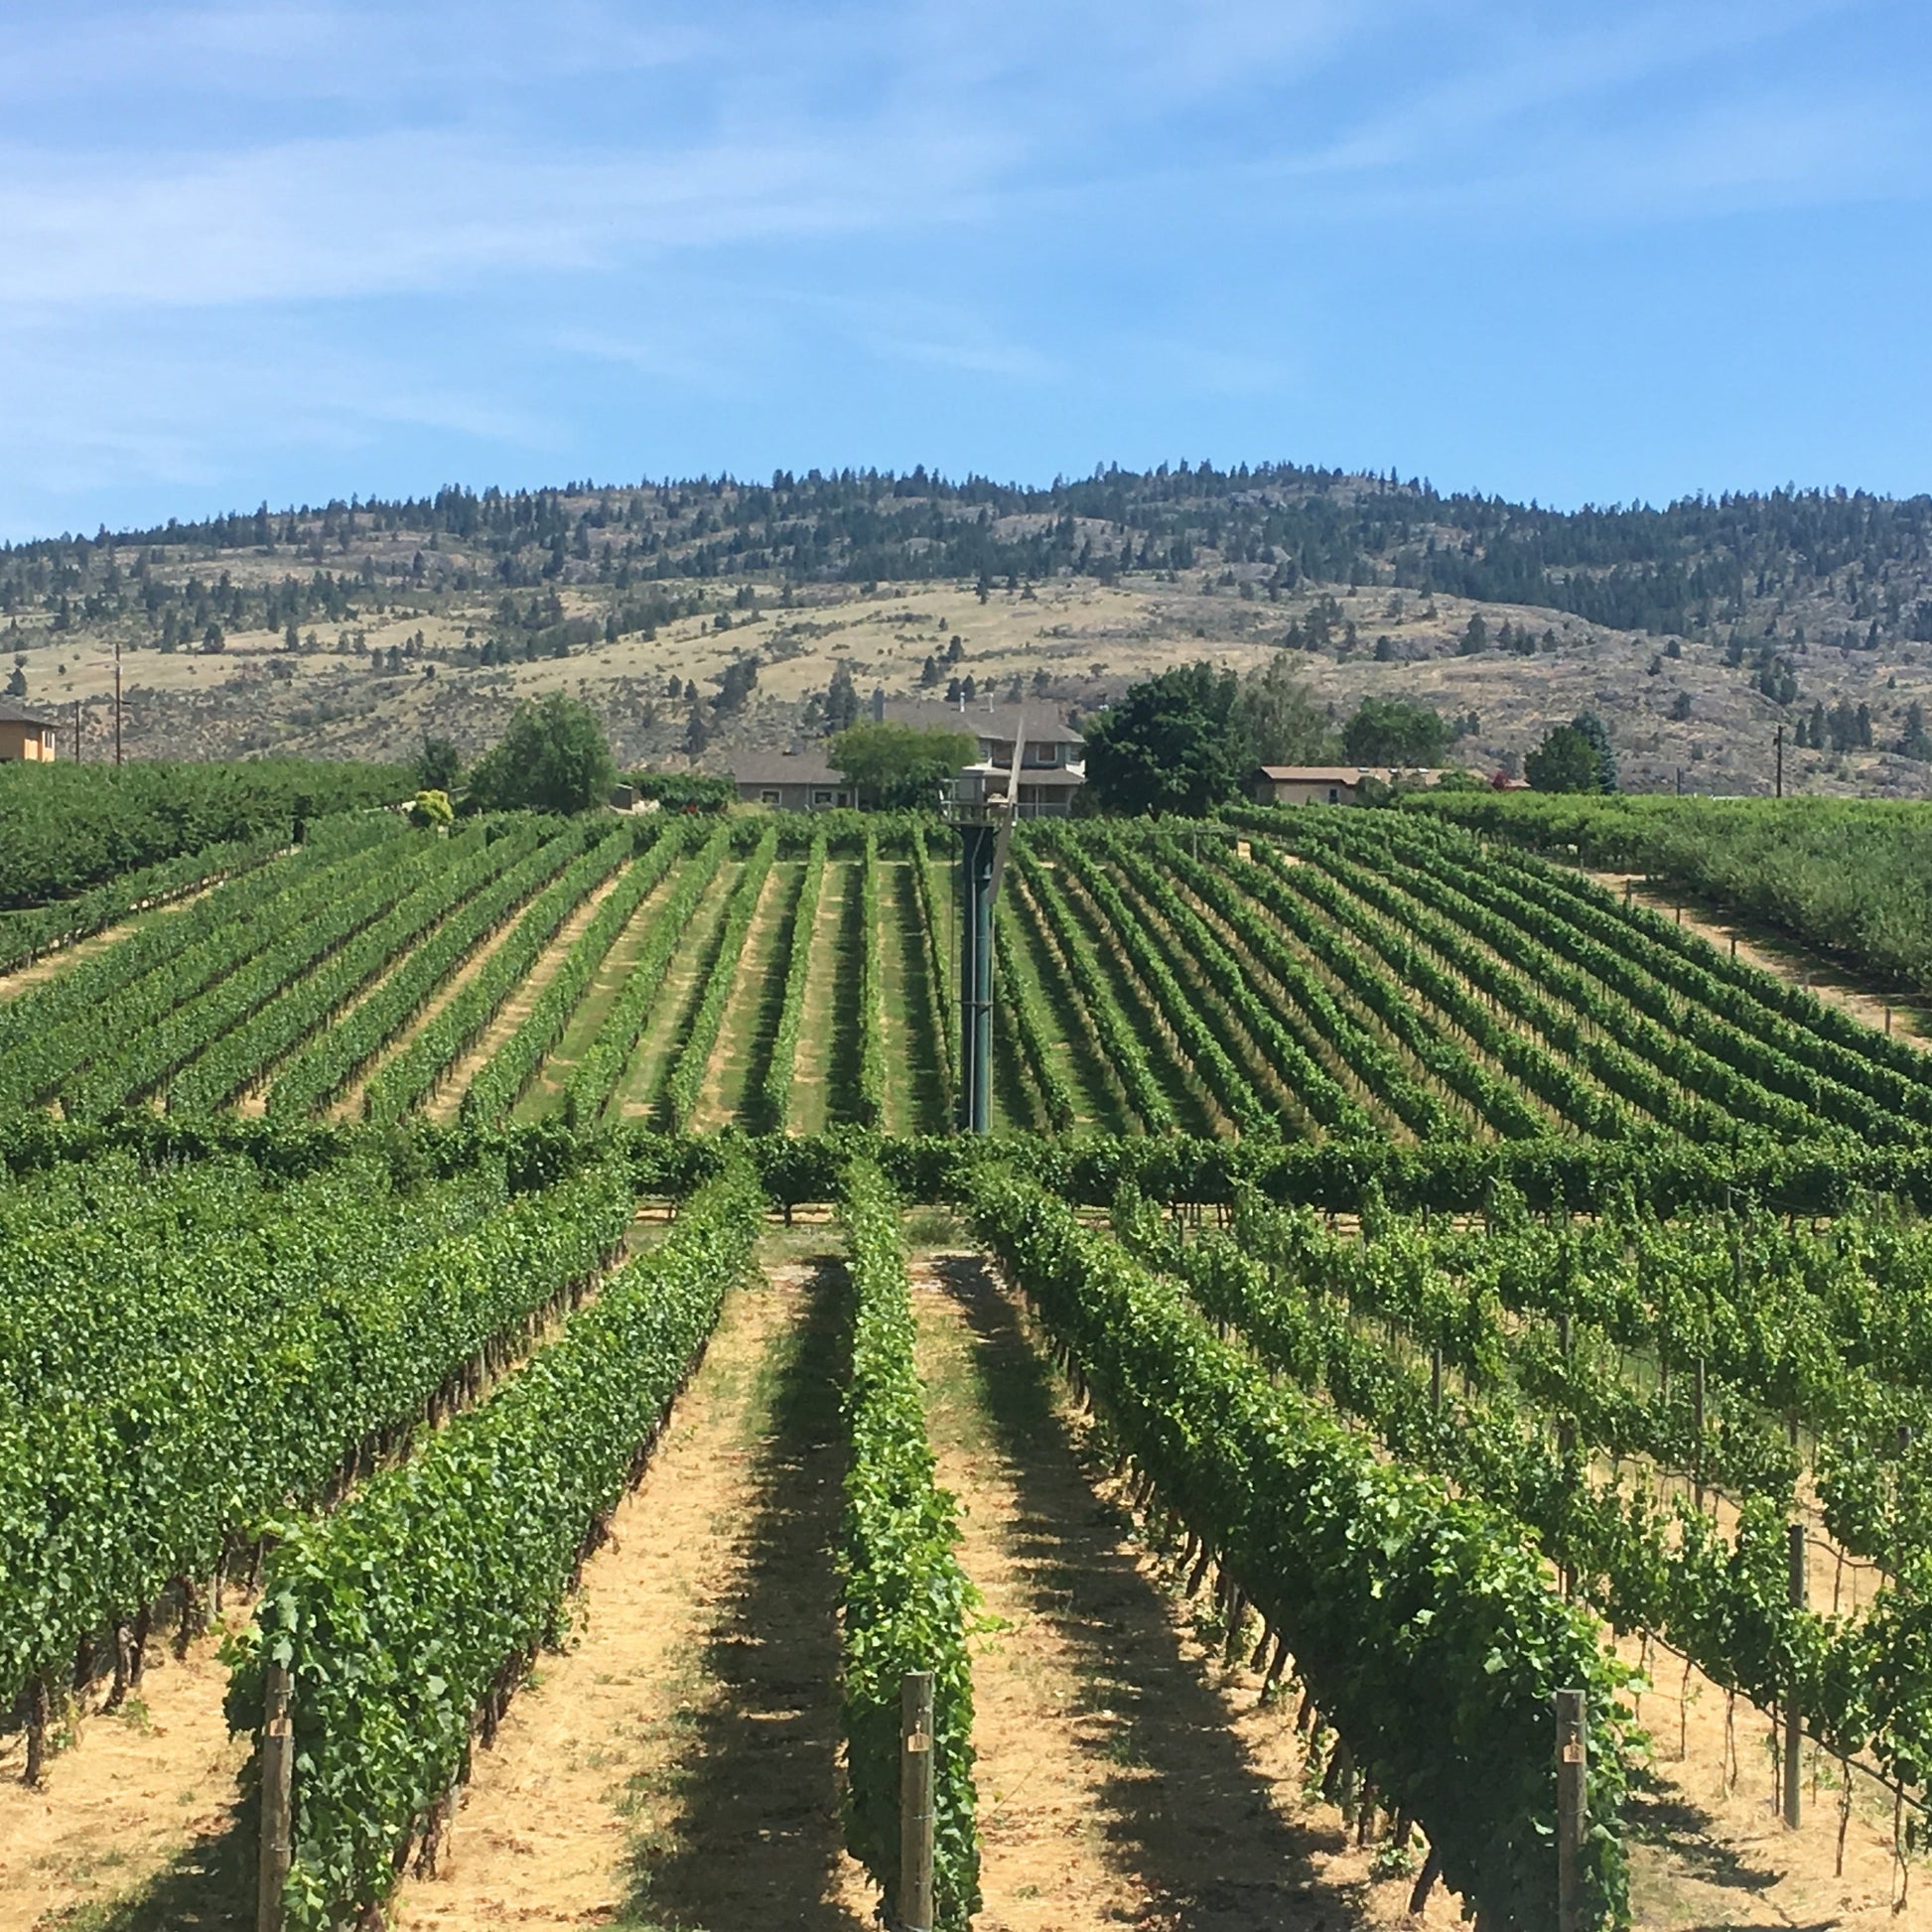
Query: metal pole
point(915, 1829)
point(1793, 1733)
point(1573, 1780)
point(977, 842)
point(1780, 743)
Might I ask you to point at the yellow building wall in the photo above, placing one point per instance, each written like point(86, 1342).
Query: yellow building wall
point(33, 743)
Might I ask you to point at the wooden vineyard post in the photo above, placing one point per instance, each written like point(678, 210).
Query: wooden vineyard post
point(1696, 1435)
point(1573, 1775)
point(915, 1802)
point(1793, 1733)
point(278, 1784)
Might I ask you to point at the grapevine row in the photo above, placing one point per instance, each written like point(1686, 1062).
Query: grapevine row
point(26, 935)
point(415, 1072)
point(774, 1086)
point(906, 1602)
point(407, 1617)
point(686, 1082)
point(284, 1353)
point(317, 1076)
point(938, 968)
point(1721, 1604)
point(1116, 1039)
point(1393, 1596)
point(82, 989)
point(96, 1038)
point(1203, 1061)
point(871, 1097)
point(594, 1078)
point(448, 875)
point(500, 1082)
point(1022, 1010)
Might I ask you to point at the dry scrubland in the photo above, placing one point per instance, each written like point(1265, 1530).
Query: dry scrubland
point(1091, 638)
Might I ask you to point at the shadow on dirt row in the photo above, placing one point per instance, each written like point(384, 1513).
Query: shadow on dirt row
point(208, 1887)
point(757, 1840)
point(1185, 1811)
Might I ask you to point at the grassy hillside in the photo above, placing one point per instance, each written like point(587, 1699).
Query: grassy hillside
point(350, 630)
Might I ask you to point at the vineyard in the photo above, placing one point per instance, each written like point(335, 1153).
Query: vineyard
point(1454, 1281)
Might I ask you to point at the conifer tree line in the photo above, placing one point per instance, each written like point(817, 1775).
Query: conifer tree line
point(1268, 529)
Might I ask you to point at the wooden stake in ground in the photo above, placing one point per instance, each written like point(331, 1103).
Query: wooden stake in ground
point(1573, 1773)
point(278, 1787)
point(915, 1826)
point(1793, 1734)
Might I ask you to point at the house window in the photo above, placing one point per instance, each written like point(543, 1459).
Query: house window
point(1334, 794)
point(767, 798)
point(821, 798)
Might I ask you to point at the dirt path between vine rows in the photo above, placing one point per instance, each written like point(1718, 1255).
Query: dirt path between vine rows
point(1827, 978)
point(1126, 1775)
point(442, 1106)
point(61, 960)
point(134, 1792)
point(675, 1766)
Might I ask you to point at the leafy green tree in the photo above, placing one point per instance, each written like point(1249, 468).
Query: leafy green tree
point(439, 764)
point(431, 807)
point(1566, 761)
point(1281, 722)
point(1917, 742)
point(898, 766)
point(17, 684)
point(1597, 733)
point(1396, 730)
point(553, 758)
point(1173, 743)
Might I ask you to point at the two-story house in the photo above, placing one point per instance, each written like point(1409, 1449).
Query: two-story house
point(1052, 765)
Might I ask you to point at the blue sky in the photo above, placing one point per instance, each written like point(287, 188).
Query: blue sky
point(1581, 253)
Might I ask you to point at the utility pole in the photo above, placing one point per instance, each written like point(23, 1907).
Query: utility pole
point(76, 731)
point(1780, 741)
point(117, 701)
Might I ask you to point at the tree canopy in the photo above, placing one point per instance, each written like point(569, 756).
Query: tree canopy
point(1283, 724)
point(1396, 730)
point(1575, 756)
point(897, 765)
point(1173, 743)
point(1566, 761)
point(553, 758)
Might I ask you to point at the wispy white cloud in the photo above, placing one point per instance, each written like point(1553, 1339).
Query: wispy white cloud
point(329, 224)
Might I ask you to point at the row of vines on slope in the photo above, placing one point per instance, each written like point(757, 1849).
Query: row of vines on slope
point(406, 1617)
point(1393, 1596)
point(905, 1601)
point(253, 1365)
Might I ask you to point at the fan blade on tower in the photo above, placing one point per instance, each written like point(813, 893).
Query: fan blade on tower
point(1013, 811)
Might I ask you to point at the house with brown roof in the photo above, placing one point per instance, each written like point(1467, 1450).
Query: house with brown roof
point(25, 733)
point(1052, 762)
point(1329, 785)
point(792, 782)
